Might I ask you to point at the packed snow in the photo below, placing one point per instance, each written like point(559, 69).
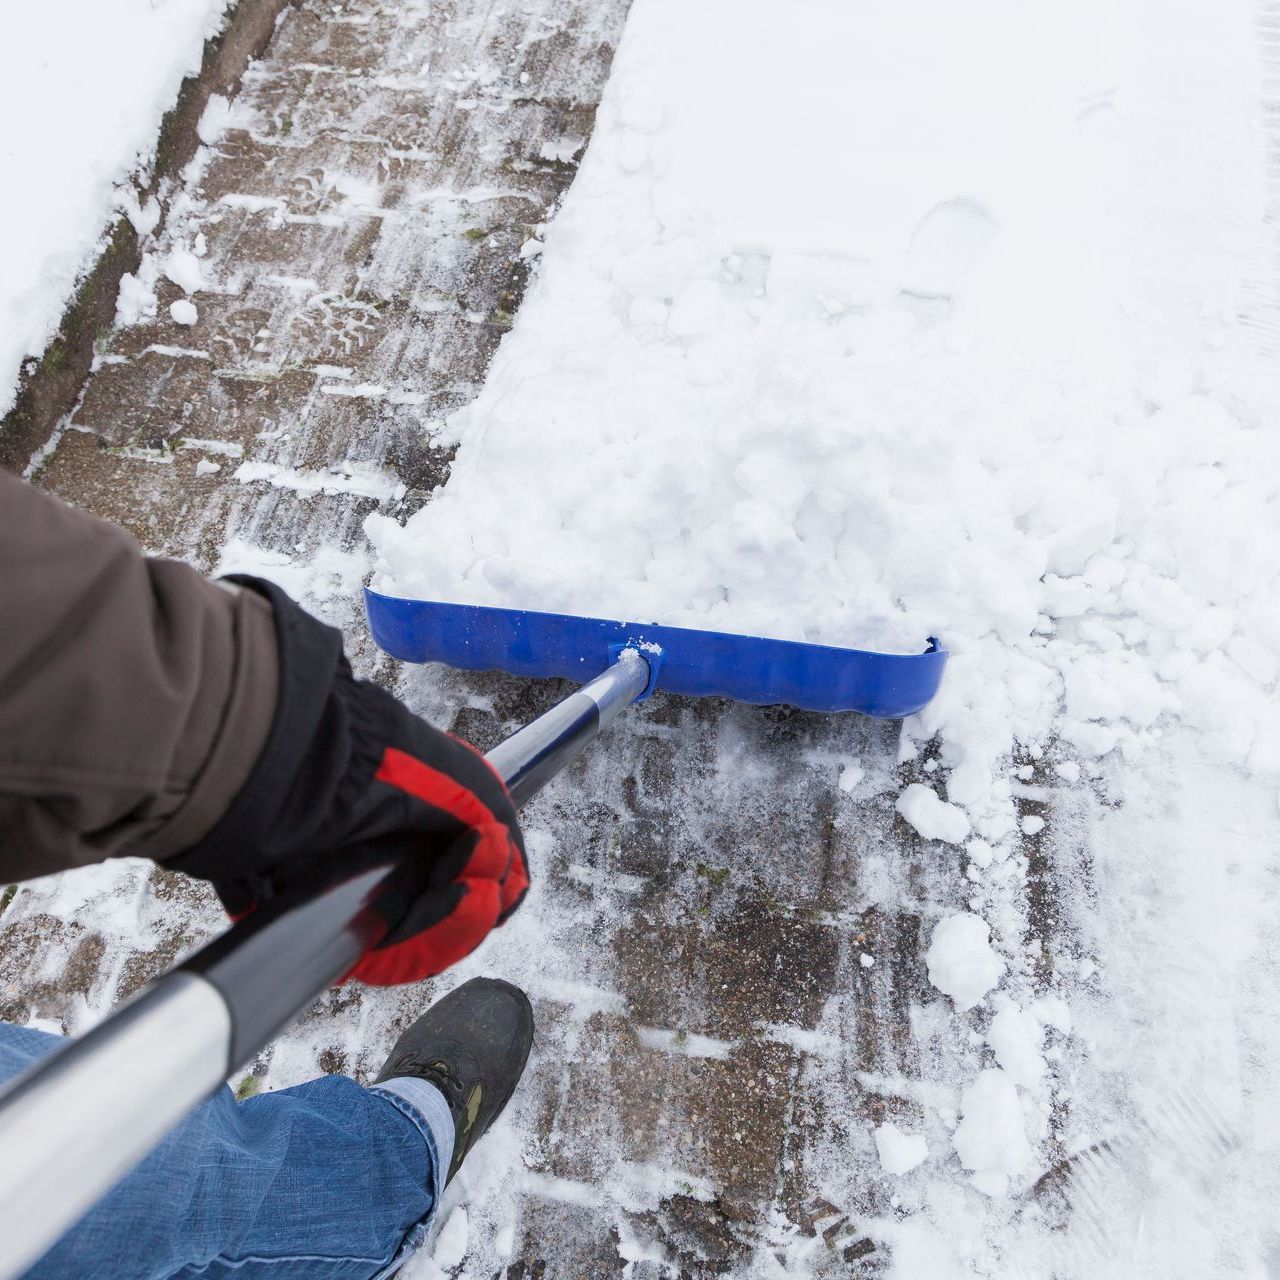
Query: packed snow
point(183, 312)
point(850, 776)
point(183, 268)
point(92, 82)
point(872, 323)
point(1016, 1037)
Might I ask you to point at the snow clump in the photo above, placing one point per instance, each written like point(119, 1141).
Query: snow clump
point(183, 268)
point(1016, 1036)
point(932, 816)
point(991, 1138)
point(850, 776)
point(215, 120)
point(451, 1242)
point(961, 961)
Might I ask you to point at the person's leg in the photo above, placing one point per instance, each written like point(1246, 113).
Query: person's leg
point(324, 1180)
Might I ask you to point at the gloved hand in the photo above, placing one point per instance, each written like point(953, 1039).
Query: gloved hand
point(348, 776)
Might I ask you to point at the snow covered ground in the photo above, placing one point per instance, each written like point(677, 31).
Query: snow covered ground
point(83, 89)
point(864, 323)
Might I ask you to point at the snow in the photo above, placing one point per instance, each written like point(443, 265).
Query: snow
point(850, 776)
point(183, 268)
point(1016, 1036)
point(961, 961)
point(323, 574)
point(183, 312)
point(932, 816)
point(363, 478)
point(981, 854)
point(894, 321)
point(90, 84)
point(214, 120)
point(991, 1138)
point(451, 1242)
point(899, 1151)
point(986, 394)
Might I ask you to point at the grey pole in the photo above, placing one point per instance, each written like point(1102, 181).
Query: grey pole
point(77, 1122)
point(532, 756)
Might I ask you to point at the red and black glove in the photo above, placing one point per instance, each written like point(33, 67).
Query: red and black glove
point(348, 776)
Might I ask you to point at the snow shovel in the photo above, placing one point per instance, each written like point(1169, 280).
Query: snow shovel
point(74, 1124)
point(745, 668)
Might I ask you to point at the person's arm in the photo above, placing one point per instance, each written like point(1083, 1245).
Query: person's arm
point(218, 727)
point(135, 695)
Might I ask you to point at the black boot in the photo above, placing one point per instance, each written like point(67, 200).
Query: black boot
point(472, 1046)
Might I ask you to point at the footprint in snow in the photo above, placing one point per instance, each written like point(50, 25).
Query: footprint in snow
point(948, 241)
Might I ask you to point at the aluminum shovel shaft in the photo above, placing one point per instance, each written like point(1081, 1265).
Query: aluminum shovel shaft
point(77, 1122)
point(532, 756)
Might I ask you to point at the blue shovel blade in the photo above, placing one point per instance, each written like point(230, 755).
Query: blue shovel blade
point(814, 677)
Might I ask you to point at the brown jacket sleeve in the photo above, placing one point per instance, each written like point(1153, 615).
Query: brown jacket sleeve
point(135, 695)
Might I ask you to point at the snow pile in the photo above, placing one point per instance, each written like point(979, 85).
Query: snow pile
point(83, 88)
point(1017, 1036)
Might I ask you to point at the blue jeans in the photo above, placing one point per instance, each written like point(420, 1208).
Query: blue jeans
point(327, 1180)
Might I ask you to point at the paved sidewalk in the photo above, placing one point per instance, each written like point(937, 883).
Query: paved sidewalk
point(724, 945)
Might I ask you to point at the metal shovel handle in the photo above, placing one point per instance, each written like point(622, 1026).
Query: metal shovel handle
point(76, 1122)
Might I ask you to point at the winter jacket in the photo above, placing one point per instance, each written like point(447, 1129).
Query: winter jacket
point(135, 695)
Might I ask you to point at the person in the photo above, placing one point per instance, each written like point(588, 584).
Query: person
point(217, 728)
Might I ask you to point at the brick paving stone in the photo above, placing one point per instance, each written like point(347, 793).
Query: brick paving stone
point(706, 1118)
point(751, 966)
